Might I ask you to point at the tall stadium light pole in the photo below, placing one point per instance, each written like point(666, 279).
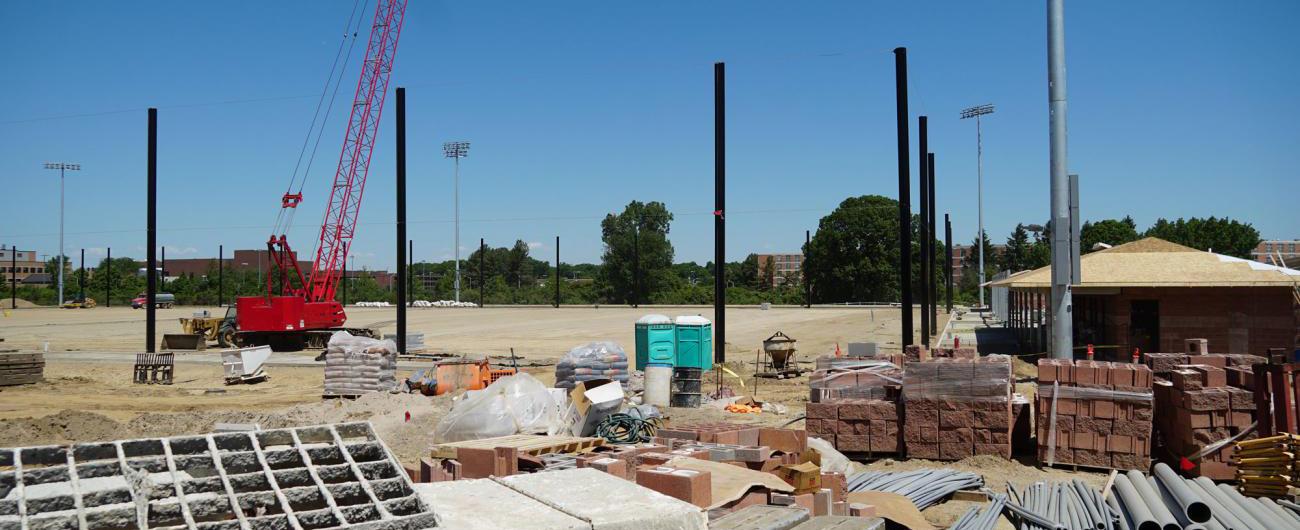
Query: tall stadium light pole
point(1062, 332)
point(63, 168)
point(976, 112)
point(457, 150)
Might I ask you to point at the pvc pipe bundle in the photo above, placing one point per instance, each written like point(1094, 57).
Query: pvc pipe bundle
point(1061, 506)
point(924, 488)
point(974, 519)
point(1166, 501)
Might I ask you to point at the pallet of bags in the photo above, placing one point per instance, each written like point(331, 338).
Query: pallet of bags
point(359, 365)
point(592, 361)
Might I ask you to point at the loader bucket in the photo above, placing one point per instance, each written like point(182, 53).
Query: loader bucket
point(183, 341)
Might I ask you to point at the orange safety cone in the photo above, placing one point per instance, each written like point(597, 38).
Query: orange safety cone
point(837, 350)
point(1091, 352)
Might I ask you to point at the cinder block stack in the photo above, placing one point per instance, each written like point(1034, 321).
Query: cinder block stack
point(1198, 408)
point(856, 426)
point(955, 408)
point(1095, 414)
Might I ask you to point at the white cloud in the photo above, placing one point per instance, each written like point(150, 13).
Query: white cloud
point(536, 244)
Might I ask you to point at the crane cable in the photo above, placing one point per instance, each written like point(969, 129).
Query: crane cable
point(285, 220)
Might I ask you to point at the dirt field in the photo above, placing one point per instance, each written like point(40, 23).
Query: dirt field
point(535, 332)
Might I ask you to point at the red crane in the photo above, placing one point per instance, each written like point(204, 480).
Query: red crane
point(304, 311)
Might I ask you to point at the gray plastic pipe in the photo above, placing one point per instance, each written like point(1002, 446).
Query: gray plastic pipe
point(1278, 511)
point(1191, 504)
point(1153, 501)
point(1247, 520)
point(1122, 521)
point(1137, 508)
point(1263, 515)
point(1222, 513)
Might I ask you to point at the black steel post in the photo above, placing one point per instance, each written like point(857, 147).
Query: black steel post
point(719, 213)
point(923, 179)
point(557, 272)
point(932, 290)
point(402, 240)
point(221, 275)
point(13, 277)
point(162, 281)
point(410, 273)
point(803, 270)
point(81, 282)
point(482, 251)
point(108, 278)
point(636, 261)
point(904, 195)
point(947, 261)
point(151, 200)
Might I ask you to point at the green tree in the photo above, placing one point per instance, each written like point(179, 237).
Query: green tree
point(854, 254)
point(1109, 231)
point(968, 286)
point(1221, 235)
point(1015, 257)
point(640, 230)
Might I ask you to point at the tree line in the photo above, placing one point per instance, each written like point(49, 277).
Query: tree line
point(853, 257)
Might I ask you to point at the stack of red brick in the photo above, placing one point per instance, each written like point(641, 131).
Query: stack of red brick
point(955, 408)
point(856, 426)
point(1095, 414)
point(1199, 408)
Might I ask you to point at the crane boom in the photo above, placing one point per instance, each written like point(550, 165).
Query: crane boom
point(303, 308)
point(340, 220)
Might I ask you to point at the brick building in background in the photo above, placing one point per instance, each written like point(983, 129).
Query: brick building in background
point(23, 263)
point(1152, 295)
point(786, 265)
point(1268, 252)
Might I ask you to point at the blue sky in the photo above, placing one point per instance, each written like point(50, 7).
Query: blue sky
point(575, 108)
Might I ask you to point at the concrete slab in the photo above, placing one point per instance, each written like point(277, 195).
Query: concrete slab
point(478, 503)
point(838, 522)
point(608, 502)
point(761, 517)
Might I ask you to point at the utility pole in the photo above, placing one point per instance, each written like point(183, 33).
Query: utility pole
point(803, 270)
point(557, 272)
point(221, 275)
point(81, 279)
point(108, 278)
point(457, 150)
point(976, 112)
point(1062, 326)
point(62, 167)
point(904, 195)
point(162, 278)
point(410, 273)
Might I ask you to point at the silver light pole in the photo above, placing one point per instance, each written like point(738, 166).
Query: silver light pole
point(1061, 324)
point(457, 150)
point(62, 167)
point(976, 112)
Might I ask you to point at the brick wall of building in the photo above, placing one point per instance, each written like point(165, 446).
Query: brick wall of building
point(1234, 319)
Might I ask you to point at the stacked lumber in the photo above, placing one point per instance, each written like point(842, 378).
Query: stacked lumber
point(954, 408)
point(1268, 467)
point(1094, 414)
point(21, 368)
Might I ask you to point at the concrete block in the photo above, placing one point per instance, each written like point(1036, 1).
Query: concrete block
point(469, 504)
point(835, 522)
point(822, 500)
point(858, 509)
point(572, 491)
point(687, 485)
point(761, 518)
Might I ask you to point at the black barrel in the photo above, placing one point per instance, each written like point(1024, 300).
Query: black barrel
point(686, 387)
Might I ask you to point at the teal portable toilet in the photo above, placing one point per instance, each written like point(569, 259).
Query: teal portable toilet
point(655, 341)
point(694, 342)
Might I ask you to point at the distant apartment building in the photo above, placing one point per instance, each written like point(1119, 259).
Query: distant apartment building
point(783, 266)
point(961, 253)
point(1269, 251)
point(23, 265)
point(245, 260)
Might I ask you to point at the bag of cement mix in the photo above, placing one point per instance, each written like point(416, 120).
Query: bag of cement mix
point(592, 361)
point(359, 365)
point(512, 405)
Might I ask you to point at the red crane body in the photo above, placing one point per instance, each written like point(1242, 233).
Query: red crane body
point(306, 303)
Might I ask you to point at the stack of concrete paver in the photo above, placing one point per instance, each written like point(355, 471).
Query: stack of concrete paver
point(956, 408)
point(857, 426)
point(1199, 409)
point(1094, 414)
point(359, 365)
point(854, 378)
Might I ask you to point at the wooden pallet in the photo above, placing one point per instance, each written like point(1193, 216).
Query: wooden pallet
point(21, 368)
point(533, 444)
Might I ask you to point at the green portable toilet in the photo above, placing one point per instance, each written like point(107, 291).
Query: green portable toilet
point(655, 341)
point(694, 342)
